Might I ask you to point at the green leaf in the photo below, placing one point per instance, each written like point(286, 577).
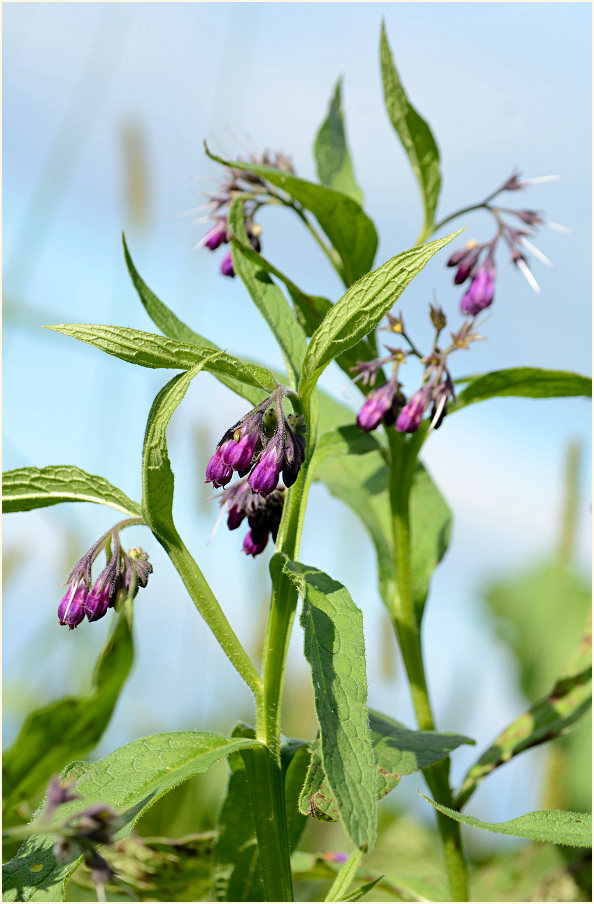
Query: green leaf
point(174, 328)
point(157, 476)
point(69, 728)
point(345, 876)
point(268, 298)
point(152, 350)
point(333, 160)
point(554, 826)
point(237, 872)
point(362, 891)
point(398, 751)
point(29, 488)
point(335, 650)
point(527, 382)
point(348, 439)
point(362, 483)
point(415, 135)
point(362, 307)
point(550, 717)
point(347, 226)
point(133, 776)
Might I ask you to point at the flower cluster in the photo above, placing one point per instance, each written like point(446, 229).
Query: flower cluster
point(255, 192)
point(260, 447)
point(263, 444)
point(476, 262)
point(123, 574)
point(83, 831)
point(387, 403)
point(263, 514)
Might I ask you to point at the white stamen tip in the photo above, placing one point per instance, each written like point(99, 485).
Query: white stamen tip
point(558, 228)
point(527, 273)
point(536, 252)
point(536, 179)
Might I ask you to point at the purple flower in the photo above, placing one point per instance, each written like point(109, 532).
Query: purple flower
point(254, 545)
point(381, 404)
point(71, 610)
point(238, 453)
point(216, 236)
point(103, 592)
point(294, 451)
point(217, 471)
point(411, 415)
point(480, 293)
point(264, 477)
point(227, 265)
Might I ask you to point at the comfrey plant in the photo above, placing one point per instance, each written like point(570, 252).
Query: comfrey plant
point(264, 464)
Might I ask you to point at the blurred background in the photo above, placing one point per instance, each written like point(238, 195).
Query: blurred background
point(105, 110)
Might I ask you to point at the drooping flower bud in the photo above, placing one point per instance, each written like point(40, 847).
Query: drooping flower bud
point(265, 475)
point(216, 236)
point(294, 449)
point(217, 471)
point(103, 592)
point(227, 265)
point(411, 415)
point(381, 404)
point(71, 610)
point(480, 293)
point(254, 545)
point(467, 265)
point(263, 514)
point(239, 452)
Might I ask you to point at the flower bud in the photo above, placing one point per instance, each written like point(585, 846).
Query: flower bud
point(239, 451)
point(254, 545)
point(216, 236)
point(217, 471)
point(411, 415)
point(227, 265)
point(438, 317)
point(71, 610)
point(480, 293)
point(381, 404)
point(265, 475)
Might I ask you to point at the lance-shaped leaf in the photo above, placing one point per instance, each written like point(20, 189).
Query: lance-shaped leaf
point(554, 826)
point(398, 751)
point(58, 733)
point(362, 483)
point(362, 307)
point(333, 160)
point(526, 382)
point(29, 488)
point(132, 778)
point(152, 350)
point(415, 135)
point(171, 326)
point(348, 227)
point(335, 650)
point(550, 717)
point(268, 298)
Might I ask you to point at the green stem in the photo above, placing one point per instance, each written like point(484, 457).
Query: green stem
point(210, 610)
point(404, 460)
point(269, 805)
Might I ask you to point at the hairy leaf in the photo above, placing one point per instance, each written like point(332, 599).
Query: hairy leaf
point(268, 298)
point(362, 890)
point(333, 160)
point(554, 826)
point(133, 777)
point(347, 226)
point(527, 382)
point(335, 650)
point(362, 307)
point(414, 133)
point(152, 350)
point(398, 751)
point(171, 326)
point(69, 728)
point(550, 717)
point(29, 488)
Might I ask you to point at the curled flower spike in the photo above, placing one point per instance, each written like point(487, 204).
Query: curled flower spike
point(262, 448)
point(263, 514)
point(122, 575)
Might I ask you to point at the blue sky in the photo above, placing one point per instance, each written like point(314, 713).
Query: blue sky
point(503, 85)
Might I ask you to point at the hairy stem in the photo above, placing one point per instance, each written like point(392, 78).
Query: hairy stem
point(404, 460)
